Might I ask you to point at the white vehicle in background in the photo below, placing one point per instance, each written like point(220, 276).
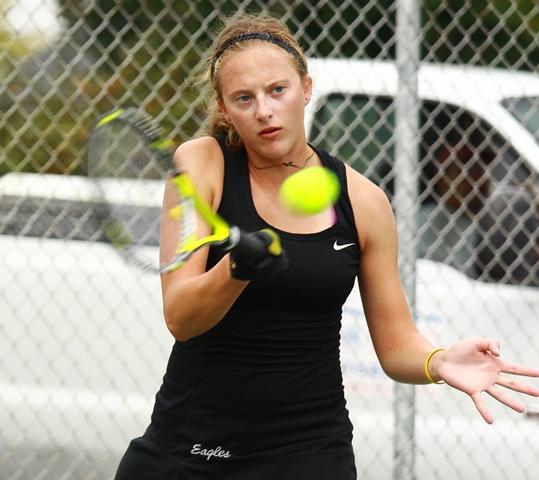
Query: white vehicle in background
point(84, 347)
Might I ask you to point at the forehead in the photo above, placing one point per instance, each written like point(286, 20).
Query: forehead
point(255, 60)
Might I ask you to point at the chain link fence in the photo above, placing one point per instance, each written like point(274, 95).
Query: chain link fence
point(83, 345)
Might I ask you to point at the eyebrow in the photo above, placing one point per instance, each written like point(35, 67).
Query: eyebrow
point(269, 85)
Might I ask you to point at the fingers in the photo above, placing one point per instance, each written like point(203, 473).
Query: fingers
point(482, 408)
point(489, 345)
point(517, 369)
point(518, 386)
point(494, 347)
point(506, 399)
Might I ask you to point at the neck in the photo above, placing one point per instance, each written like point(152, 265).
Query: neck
point(288, 164)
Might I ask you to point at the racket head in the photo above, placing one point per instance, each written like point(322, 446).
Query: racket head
point(127, 159)
point(128, 143)
point(130, 163)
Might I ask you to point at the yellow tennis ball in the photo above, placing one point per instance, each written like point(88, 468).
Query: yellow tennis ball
point(310, 190)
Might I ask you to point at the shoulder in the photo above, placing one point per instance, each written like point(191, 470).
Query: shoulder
point(197, 153)
point(202, 159)
point(372, 209)
point(364, 191)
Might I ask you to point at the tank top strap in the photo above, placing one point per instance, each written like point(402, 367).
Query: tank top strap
point(343, 205)
point(236, 179)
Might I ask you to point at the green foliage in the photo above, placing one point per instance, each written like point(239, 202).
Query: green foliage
point(11, 47)
point(500, 33)
point(366, 23)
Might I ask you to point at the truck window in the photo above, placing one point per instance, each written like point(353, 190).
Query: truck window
point(364, 141)
point(477, 209)
point(71, 219)
point(526, 111)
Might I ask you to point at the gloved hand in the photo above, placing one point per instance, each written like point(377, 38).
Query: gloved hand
point(257, 255)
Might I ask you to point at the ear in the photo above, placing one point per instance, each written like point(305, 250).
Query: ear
point(223, 109)
point(307, 88)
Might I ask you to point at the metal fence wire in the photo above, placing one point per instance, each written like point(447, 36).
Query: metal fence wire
point(82, 341)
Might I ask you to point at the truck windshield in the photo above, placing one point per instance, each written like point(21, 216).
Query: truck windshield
point(526, 111)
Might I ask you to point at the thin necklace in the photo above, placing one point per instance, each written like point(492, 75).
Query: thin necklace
point(287, 164)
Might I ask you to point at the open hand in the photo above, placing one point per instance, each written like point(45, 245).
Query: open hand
point(475, 366)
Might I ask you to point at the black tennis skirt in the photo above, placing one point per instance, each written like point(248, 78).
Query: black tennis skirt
point(144, 460)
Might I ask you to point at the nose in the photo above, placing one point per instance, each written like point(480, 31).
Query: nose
point(263, 109)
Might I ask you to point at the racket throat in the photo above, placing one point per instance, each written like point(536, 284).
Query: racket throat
point(234, 238)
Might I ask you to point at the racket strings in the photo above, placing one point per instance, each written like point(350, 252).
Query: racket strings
point(124, 152)
point(142, 122)
point(128, 150)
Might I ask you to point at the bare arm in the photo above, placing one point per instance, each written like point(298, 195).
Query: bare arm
point(194, 300)
point(400, 348)
point(471, 366)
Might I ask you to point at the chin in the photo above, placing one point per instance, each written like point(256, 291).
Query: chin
point(273, 149)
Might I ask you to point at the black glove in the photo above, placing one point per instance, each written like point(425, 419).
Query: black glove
point(257, 255)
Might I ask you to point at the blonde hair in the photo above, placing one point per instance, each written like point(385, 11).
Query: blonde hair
point(236, 31)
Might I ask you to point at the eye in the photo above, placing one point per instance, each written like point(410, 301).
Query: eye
point(243, 98)
point(279, 89)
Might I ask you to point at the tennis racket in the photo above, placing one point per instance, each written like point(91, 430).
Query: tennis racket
point(130, 163)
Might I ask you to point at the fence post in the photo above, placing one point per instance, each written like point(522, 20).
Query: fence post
point(405, 205)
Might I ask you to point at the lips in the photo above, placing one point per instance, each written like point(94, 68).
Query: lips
point(269, 132)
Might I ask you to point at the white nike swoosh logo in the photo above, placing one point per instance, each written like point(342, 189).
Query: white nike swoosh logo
point(338, 247)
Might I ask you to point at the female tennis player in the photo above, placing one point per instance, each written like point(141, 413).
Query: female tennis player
point(253, 387)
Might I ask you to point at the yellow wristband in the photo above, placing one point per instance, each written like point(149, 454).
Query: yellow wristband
point(426, 365)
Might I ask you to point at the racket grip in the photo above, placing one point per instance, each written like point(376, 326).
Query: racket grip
point(257, 244)
point(256, 255)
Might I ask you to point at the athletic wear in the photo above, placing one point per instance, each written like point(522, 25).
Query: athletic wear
point(264, 386)
point(145, 460)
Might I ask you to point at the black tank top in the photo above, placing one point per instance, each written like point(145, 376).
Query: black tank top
point(266, 380)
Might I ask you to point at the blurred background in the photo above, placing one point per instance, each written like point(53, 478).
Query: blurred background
point(436, 101)
point(64, 63)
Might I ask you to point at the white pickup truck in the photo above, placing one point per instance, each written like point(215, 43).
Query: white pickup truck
point(83, 345)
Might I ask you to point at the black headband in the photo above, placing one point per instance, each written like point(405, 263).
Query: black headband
point(267, 37)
